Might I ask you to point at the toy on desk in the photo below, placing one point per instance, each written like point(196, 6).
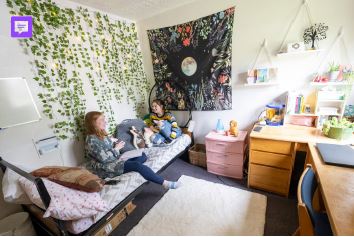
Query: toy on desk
point(275, 114)
point(233, 128)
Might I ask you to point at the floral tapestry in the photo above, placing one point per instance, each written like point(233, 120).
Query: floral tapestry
point(192, 63)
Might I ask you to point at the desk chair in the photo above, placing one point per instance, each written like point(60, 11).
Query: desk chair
point(310, 221)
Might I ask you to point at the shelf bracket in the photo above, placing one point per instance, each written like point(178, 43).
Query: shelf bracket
point(266, 51)
point(338, 38)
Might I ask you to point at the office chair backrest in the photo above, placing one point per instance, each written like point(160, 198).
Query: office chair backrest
point(306, 189)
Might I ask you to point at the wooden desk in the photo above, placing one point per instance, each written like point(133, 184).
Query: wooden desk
point(337, 189)
point(295, 133)
point(272, 154)
point(273, 151)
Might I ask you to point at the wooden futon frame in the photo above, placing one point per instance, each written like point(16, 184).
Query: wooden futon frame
point(52, 226)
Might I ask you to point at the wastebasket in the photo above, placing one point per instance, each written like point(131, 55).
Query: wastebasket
point(17, 224)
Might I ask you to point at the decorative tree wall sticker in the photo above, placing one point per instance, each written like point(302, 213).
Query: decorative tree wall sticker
point(315, 32)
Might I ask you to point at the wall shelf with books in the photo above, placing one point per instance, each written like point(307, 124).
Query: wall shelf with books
point(301, 108)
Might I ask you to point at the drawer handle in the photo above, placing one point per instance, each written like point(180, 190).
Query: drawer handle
point(221, 144)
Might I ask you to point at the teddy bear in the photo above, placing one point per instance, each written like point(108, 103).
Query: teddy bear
point(233, 128)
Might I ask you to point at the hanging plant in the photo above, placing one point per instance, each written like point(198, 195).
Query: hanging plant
point(70, 46)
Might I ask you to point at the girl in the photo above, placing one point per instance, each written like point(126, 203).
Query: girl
point(163, 123)
point(104, 154)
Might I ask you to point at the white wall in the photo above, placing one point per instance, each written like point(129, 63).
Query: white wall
point(16, 144)
point(254, 21)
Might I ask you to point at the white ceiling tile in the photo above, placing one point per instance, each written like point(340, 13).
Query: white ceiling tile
point(134, 10)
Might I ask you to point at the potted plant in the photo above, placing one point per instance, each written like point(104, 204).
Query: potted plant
point(341, 129)
point(333, 71)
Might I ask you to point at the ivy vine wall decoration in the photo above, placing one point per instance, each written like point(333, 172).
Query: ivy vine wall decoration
point(72, 45)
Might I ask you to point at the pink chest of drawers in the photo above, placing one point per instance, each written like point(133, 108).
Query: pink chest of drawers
point(225, 154)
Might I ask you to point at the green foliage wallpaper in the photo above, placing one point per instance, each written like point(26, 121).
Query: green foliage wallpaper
point(72, 45)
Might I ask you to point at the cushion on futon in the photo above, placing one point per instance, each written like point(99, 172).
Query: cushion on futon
point(65, 203)
point(123, 132)
point(71, 177)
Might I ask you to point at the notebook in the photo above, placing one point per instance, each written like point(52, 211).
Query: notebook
point(332, 154)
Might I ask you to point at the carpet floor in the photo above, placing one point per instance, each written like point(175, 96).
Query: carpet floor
point(213, 209)
point(281, 213)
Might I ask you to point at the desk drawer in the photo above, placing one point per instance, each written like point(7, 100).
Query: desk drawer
point(271, 159)
point(225, 158)
point(269, 179)
point(274, 146)
point(233, 171)
point(224, 147)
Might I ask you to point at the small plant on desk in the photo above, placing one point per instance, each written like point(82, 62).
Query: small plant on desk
point(339, 129)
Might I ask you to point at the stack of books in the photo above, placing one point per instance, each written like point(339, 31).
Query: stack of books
point(299, 104)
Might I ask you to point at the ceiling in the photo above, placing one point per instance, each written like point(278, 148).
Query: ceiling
point(134, 10)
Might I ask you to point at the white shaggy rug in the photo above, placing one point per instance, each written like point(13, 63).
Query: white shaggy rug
point(200, 207)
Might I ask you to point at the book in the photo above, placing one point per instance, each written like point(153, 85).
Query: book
point(262, 75)
point(296, 105)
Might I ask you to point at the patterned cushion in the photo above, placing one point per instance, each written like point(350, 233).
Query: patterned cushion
point(71, 177)
point(123, 132)
point(65, 203)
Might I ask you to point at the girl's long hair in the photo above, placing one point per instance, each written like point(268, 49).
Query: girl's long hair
point(90, 125)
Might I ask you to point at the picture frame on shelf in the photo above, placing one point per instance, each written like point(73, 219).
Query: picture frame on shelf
point(295, 47)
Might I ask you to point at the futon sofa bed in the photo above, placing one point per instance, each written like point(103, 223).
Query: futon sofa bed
point(118, 197)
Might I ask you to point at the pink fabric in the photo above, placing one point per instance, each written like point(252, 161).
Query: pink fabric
point(66, 203)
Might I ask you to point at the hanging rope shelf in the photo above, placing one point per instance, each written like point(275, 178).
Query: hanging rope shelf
point(282, 51)
point(271, 71)
point(338, 39)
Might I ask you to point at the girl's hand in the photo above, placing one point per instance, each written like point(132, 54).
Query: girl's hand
point(119, 145)
point(113, 139)
point(154, 129)
point(158, 123)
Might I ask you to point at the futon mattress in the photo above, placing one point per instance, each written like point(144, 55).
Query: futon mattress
point(114, 194)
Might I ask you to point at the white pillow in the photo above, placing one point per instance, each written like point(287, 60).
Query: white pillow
point(11, 188)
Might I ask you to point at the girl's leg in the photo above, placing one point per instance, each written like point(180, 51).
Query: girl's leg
point(141, 159)
point(148, 174)
point(165, 130)
point(145, 171)
point(176, 132)
point(158, 139)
